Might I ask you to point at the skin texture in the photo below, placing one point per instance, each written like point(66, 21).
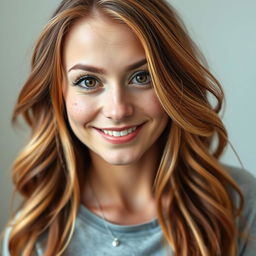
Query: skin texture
point(121, 174)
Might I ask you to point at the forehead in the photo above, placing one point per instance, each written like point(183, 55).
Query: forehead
point(100, 37)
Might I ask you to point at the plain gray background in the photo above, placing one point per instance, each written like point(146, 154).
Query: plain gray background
point(224, 30)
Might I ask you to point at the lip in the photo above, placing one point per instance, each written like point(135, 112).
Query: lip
point(123, 139)
point(119, 128)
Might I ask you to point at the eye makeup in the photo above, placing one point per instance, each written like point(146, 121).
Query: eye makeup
point(88, 81)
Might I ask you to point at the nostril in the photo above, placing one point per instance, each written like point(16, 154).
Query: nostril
point(118, 110)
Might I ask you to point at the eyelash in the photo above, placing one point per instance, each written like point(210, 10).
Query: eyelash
point(82, 78)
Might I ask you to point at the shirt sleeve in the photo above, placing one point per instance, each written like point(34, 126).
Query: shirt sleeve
point(248, 247)
point(247, 221)
point(5, 250)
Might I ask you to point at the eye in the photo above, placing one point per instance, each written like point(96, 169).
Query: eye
point(141, 77)
point(87, 82)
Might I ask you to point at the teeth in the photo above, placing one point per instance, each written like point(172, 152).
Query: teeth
point(116, 134)
point(119, 133)
point(108, 132)
point(123, 133)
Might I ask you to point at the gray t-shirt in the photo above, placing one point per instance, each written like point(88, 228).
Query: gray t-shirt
point(92, 238)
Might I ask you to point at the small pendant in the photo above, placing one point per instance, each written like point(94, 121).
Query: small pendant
point(116, 242)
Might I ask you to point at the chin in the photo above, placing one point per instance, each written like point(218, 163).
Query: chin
point(121, 160)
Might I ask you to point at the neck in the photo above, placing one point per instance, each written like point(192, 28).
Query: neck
point(123, 186)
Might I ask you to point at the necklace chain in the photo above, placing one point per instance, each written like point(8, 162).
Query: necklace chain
point(116, 242)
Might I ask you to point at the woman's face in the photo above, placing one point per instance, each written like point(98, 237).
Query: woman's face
point(111, 105)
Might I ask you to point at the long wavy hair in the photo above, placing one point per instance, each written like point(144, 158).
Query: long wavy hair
point(201, 216)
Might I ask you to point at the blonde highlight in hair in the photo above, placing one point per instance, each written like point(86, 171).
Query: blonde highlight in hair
point(200, 217)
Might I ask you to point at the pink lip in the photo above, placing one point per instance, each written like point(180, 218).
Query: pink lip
point(118, 128)
point(123, 139)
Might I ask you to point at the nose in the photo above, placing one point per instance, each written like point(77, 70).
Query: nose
point(117, 105)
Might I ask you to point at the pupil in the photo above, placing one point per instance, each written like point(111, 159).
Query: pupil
point(141, 78)
point(90, 82)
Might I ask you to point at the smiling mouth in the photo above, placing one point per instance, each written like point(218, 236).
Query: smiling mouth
point(120, 133)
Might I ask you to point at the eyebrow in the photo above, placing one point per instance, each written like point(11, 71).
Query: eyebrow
point(103, 71)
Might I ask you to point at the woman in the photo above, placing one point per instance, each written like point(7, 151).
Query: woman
point(120, 160)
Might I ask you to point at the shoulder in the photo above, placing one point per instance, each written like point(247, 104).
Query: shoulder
point(5, 244)
point(5, 250)
point(244, 179)
point(247, 220)
point(247, 184)
point(239, 173)
point(6, 237)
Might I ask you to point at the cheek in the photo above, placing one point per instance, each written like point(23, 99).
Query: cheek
point(79, 110)
point(155, 109)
